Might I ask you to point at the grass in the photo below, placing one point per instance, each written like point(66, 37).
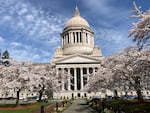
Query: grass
point(22, 109)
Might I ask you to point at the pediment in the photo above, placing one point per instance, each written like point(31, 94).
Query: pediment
point(78, 59)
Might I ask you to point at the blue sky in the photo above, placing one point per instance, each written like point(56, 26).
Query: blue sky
point(30, 29)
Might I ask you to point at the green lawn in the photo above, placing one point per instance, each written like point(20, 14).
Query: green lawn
point(25, 110)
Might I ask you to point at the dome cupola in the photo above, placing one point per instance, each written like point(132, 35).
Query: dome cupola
point(77, 36)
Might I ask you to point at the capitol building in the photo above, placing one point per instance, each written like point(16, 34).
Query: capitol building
point(77, 55)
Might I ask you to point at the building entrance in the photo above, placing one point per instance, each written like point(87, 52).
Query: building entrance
point(79, 95)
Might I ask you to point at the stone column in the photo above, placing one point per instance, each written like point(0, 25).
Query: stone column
point(57, 74)
point(78, 37)
point(66, 39)
point(88, 74)
point(93, 71)
point(75, 79)
point(75, 37)
point(81, 72)
point(71, 37)
point(69, 79)
point(83, 37)
point(62, 39)
point(92, 39)
point(63, 81)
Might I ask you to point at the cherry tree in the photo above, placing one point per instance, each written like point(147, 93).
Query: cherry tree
point(14, 78)
point(141, 29)
point(131, 70)
point(42, 78)
point(100, 80)
point(126, 71)
point(21, 76)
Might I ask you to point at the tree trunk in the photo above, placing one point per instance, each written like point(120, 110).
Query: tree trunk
point(138, 89)
point(40, 95)
point(116, 94)
point(17, 99)
point(139, 95)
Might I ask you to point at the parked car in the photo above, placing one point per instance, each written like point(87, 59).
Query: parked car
point(131, 97)
point(43, 99)
point(25, 100)
point(128, 97)
point(146, 97)
point(124, 97)
point(109, 98)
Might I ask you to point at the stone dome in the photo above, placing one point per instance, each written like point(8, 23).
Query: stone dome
point(77, 20)
point(77, 36)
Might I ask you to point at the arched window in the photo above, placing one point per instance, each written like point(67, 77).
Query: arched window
point(90, 70)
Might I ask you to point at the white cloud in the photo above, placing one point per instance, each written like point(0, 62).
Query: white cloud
point(15, 44)
point(111, 41)
point(30, 20)
point(32, 26)
point(2, 39)
point(28, 53)
point(7, 18)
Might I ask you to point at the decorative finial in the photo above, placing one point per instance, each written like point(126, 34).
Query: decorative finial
point(76, 11)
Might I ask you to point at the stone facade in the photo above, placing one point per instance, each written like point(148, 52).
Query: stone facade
point(78, 56)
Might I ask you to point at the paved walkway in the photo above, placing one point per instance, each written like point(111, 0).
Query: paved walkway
point(79, 106)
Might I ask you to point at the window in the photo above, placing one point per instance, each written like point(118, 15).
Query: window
point(68, 38)
point(90, 70)
point(80, 37)
point(77, 37)
point(84, 71)
point(74, 37)
point(96, 69)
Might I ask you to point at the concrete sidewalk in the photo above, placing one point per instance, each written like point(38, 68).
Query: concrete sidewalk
point(79, 106)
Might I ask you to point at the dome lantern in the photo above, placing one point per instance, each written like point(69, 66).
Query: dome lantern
point(76, 12)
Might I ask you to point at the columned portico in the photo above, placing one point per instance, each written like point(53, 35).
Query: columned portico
point(80, 75)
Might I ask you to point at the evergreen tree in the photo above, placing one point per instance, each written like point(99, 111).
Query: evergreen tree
point(5, 55)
